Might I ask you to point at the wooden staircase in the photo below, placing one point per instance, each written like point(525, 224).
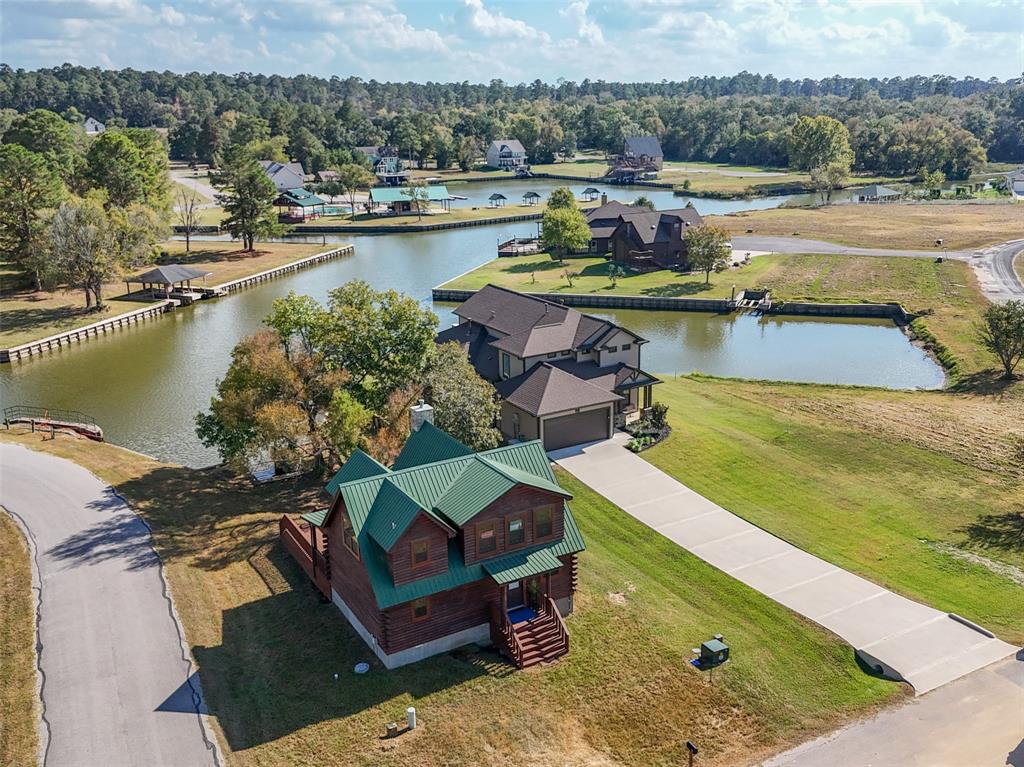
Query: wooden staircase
point(542, 639)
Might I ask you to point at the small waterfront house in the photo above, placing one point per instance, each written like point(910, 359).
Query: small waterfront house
point(93, 126)
point(653, 239)
point(398, 200)
point(497, 200)
point(531, 198)
point(564, 377)
point(386, 163)
point(298, 205)
point(285, 175)
point(325, 176)
point(447, 547)
point(878, 193)
point(506, 154)
point(643, 152)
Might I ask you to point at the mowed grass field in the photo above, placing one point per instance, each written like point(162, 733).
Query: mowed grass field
point(921, 492)
point(268, 648)
point(948, 293)
point(28, 315)
point(914, 226)
point(19, 708)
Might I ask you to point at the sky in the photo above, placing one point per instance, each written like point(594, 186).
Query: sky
point(519, 41)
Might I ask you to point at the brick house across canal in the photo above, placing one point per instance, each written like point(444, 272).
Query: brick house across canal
point(447, 547)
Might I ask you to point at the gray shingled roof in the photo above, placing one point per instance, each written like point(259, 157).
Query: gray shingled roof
point(653, 226)
point(644, 145)
point(170, 274)
point(876, 190)
point(514, 145)
point(546, 390)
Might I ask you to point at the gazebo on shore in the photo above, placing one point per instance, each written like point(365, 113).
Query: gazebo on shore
point(531, 198)
point(168, 279)
point(591, 193)
point(497, 200)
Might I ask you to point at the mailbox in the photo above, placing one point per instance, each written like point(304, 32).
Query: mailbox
point(714, 652)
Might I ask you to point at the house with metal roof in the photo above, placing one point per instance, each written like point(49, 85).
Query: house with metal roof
point(564, 378)
point(507, 154)
point(643, 152)
point(447, 547)
point(398, 200)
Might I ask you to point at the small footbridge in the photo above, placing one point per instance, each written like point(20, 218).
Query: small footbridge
point(52, 419)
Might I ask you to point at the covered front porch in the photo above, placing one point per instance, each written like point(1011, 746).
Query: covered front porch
point(526, 623)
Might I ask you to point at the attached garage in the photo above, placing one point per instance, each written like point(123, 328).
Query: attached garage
point(577, 428)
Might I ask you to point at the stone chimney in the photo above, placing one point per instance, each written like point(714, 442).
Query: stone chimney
point(419, 414)
point(604, 198)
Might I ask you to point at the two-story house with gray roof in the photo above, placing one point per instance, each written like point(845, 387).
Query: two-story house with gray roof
point(447, 547)
point(564, 377)
point(507, 154)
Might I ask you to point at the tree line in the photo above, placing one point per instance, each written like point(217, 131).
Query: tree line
point(897, 126)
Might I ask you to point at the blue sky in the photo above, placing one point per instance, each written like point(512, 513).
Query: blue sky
point(476, 40)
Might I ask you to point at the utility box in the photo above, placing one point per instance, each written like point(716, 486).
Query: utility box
point(714, 652)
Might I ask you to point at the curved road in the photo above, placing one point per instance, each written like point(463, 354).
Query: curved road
point(992, 265)
point(118, 685)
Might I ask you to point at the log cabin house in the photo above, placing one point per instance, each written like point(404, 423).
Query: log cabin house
point(447, 547)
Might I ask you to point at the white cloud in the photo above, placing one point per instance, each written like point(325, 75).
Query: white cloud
point(171, 15)
point(587, 29)
point(498, 25)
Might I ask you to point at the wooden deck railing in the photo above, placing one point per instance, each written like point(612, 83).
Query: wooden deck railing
point(555, 614)
point(503, 636)
point(314, 563)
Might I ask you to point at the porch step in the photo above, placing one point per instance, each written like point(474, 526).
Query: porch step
point(541, 641)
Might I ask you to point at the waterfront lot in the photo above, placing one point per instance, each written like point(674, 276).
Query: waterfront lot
point(914, 226)
point(947, 293)
point(30, 315)
point(267, 648)
point(19, 710)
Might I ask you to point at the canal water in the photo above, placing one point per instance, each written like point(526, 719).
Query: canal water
point(145, 384)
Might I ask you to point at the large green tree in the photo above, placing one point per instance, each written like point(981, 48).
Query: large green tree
point(465, 405)
point(818, 141)
point(127, 173)
point(28, 187)
point(353, 178)
point(561, 197)
point(247, 195)
point(707, 248)
point(47, 134)
point(564, 231)
point(93, 244)
point(1002, 332)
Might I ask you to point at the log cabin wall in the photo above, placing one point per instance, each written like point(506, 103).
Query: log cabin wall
point(400, 557)
point(349, 578)
point(519, 501)
point(450, 611)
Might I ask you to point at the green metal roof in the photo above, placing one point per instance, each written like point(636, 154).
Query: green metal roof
point(358, 466)
point(521, 565)
point(392, 513)
point(435, 193)
point(302, 198)
point(481, 483)
point(316, 518)
point(426, 485)
point(428, 445)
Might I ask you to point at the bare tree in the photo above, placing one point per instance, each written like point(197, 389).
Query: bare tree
point(186, 205)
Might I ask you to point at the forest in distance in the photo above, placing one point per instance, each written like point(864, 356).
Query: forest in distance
point(897, 126)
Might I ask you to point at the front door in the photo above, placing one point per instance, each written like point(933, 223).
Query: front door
point(515, 594)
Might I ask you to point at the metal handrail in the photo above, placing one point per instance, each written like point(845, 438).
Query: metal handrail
point(29, 412)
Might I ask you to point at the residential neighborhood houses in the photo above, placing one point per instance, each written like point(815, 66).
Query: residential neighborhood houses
point(564, 378)
point(507, 154)
point(386, 164)
point(285, 175)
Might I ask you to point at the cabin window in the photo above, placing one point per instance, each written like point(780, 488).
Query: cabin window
point(612, 349)
point(348, 537)
point(567, 352)
point(516, 531)
point(420, 609)
point(506, 365)
point(543, 521)
point(627, 347)
point(487, 538)
point(552, 355)
point(420, 552)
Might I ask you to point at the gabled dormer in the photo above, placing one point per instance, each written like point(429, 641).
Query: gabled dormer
point(413, 540)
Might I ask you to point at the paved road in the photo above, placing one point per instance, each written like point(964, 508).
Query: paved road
point(994, 267)
point(976, 720)
point(904, 639)
point(118, 687)
point(803, 245)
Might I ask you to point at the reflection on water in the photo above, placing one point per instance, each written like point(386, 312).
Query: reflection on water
point(145, 384)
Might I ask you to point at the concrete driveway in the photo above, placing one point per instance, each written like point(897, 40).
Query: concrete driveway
point(119, 688)
point(902, 638)
point(976, 720)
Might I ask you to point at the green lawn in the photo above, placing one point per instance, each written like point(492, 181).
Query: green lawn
point(947, 293)
point(873, 481)
point(19, 701)
point(268, 648)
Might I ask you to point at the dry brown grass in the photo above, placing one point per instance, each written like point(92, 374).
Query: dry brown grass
point(19, 702)
point(912, 226)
